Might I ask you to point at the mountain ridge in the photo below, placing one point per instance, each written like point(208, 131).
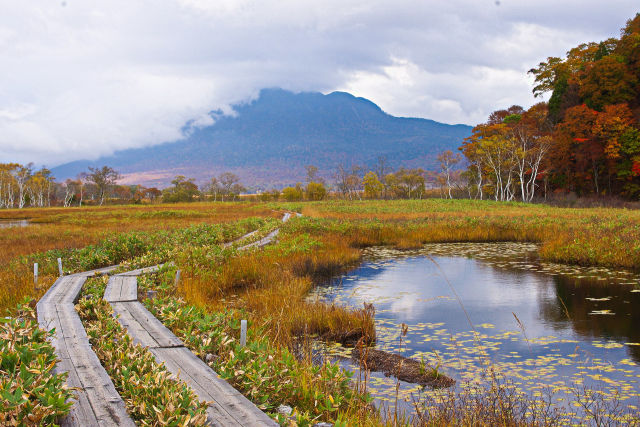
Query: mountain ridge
point(269, 140)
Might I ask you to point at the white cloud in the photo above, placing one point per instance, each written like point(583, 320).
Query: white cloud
point(83, 78)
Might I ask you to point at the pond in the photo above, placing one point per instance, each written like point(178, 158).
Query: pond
point(8, 223)
point(469, 306)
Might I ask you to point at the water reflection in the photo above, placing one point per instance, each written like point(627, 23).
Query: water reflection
point(8, 223)
point(577, 325)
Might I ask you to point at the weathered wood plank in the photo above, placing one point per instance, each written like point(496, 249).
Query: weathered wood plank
point(121, 288)
point(81, 412)
point(143, 327)
point(269, 238)
point(239, 239)
point(154, 327)
point(49, 295)
point(96, 272)
point(112, 291)
point(92, 379)
point(262, 242)
point(97, 401)
point(129, 290)
point(139, 334)
point(140, 271)
point(227, 406)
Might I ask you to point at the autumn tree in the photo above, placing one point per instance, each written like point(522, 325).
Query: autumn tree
point(103, 178)
point(448, 160)
point(373, 187)
point(312, 174)
point(315, 191)
point(293, 194)
point(505, 154)
point(406, 183)
point(595, 111)
point(607, 81)
point(182, 190)
point(348, 181)
point(213, 188)
point(230, 185)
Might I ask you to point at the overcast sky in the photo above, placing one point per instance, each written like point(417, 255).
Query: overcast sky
point(82, 78)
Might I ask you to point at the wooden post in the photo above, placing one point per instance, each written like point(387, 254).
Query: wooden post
point(177, 280)
point(243, 333)
point(35, 273)
point(60, 267)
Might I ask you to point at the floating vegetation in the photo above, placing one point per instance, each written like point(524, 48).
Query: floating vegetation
point(572, 336)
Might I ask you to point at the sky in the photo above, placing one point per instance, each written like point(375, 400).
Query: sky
point(82, 78)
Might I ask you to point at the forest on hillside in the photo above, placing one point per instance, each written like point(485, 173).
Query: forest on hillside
point(585, 140)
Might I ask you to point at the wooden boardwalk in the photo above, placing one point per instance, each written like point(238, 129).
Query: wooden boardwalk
point(227, 407)
point(98, 402)
point(266, 239)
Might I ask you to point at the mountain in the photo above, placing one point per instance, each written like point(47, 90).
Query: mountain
point(270, 140)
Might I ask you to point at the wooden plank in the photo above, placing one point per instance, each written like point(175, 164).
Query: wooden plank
point(171, 357)
point(97, 402)
point(265, 240)
point(140, 271)
point(144, 327)
point(105, 402)
point(262, 242)
point(133, 327)
point(112, 291)
point(71, 291)
point(81, 411)
point(239, 239)
point(228, 407)
point(129, 290)
point(97, 272)
point(47, 297)
point(121, 288)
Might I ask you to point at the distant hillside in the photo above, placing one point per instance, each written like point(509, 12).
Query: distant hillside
point(270, 140)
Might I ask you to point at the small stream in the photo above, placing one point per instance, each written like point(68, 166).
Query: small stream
point(543, 326)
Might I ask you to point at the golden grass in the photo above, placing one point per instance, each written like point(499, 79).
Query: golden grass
point(591, 237)
point(63, 228)
point(272, 284)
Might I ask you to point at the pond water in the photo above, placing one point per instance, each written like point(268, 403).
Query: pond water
point(7, 223)
point(469, 306)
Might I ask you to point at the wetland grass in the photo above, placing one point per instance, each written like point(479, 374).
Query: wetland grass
point(269, 286)
point(64, 229)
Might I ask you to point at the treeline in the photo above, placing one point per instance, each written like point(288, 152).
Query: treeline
point(585, 140)
point(22, 186)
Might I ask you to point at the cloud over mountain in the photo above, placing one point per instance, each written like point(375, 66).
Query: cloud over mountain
point(84, 78)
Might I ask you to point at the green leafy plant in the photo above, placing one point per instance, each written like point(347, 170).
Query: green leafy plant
point(151, 396)
point(30, 392)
